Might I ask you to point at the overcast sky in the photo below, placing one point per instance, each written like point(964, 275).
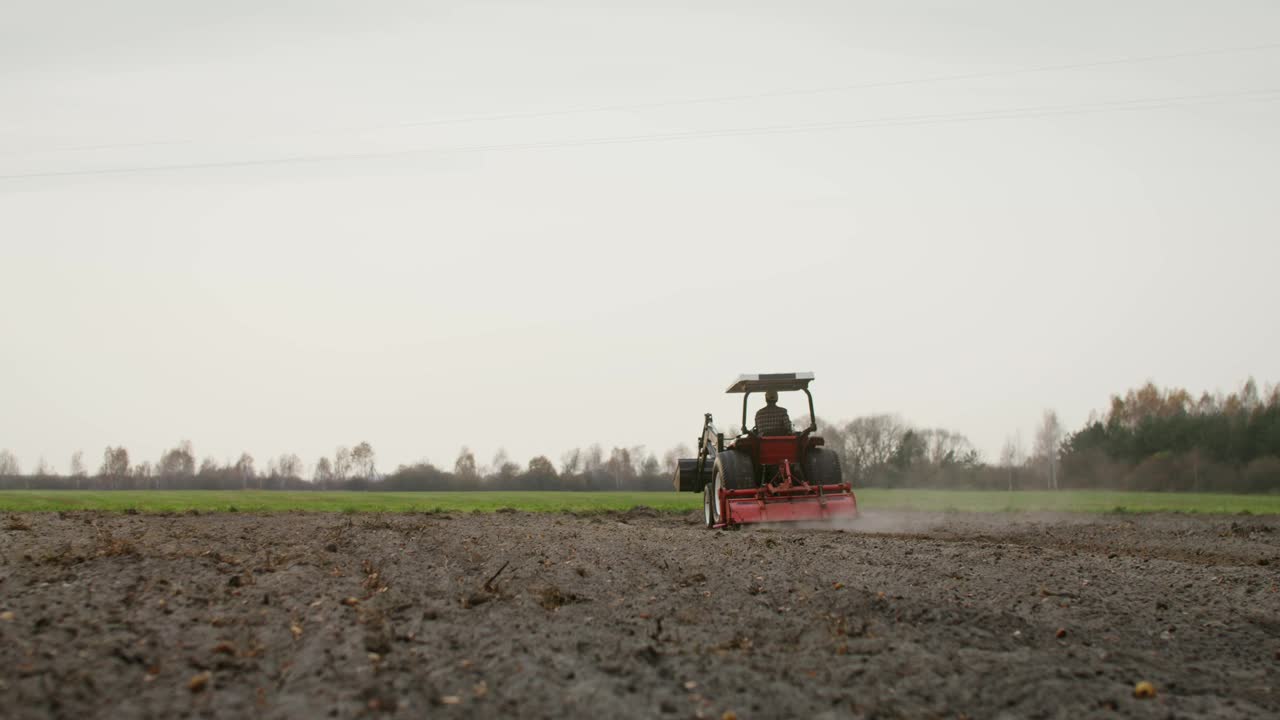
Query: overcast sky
point(479, 270)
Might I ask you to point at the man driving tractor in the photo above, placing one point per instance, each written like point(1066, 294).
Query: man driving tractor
point(772, 419)
point(770, 474)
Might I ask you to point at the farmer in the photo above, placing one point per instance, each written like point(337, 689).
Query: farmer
point(772, 419)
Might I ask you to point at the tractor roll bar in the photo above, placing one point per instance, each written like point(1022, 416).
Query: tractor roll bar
point(813, 417)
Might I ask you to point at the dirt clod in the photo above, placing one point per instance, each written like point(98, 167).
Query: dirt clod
point(17, 523)
point(553, 597)
point(199, 681)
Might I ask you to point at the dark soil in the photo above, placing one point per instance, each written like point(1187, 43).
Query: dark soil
point(637, 615)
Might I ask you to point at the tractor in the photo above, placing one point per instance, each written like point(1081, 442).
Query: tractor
point(774, 478)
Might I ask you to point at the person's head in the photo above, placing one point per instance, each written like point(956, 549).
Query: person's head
point(771, 397)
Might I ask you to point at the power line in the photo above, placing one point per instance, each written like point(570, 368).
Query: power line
point(837, 88)
point(712, 99)
point(908, 120)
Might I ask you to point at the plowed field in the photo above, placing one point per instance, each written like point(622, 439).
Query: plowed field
point(637, 614)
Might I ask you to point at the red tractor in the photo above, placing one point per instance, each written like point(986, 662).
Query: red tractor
point(755, 478)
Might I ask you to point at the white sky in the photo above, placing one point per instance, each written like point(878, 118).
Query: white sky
point(962, 273)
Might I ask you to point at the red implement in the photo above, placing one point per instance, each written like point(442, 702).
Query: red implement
point(816, 504)
point(786, 498)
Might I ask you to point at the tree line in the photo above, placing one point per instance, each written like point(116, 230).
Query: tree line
point(1167, 439)
point(350, 468)
point(1148, 439)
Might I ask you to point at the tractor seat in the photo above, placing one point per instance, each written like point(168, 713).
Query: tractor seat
point(773, 449)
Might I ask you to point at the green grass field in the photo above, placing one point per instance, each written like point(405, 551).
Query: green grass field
point(870, 499)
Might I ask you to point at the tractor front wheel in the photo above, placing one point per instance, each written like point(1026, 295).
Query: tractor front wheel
point(732, 471)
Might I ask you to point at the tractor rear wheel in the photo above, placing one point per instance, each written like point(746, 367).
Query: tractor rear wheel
point(709, 504)
point(822, 467)
point(733, 470)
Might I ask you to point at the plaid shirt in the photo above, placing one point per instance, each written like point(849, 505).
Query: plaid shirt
point(773, 420)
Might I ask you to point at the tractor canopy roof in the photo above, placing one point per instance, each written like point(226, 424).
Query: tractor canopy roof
point(782, 382)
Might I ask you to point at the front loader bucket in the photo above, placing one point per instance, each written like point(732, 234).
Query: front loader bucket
point(797, 504)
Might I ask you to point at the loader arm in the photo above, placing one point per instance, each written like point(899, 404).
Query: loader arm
point(709, 444)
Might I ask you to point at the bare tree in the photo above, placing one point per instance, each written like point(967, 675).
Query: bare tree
point(77, 467)
point(362, 459)
point(869, 442)
point(180, 462)
point(1011, 455)
point(944, 447)
point(620, 467)
point(115, 465)
point(1048, 440)
point(289, 466)
point(9, 464)
point(341, 464)
point(208, 466)
point(649, 466)
point(670, 457)
point(323, 474)
point(594, 459)
point(465, 466)
point(244, 468)
point(503, 469)
point(43, 469)
point(495, 466)
point(639, 454)
point(143, 474)
point(571, 462)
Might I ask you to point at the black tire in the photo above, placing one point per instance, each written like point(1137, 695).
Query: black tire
point(708, 507)
point(733, 469)
point(822, 467)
